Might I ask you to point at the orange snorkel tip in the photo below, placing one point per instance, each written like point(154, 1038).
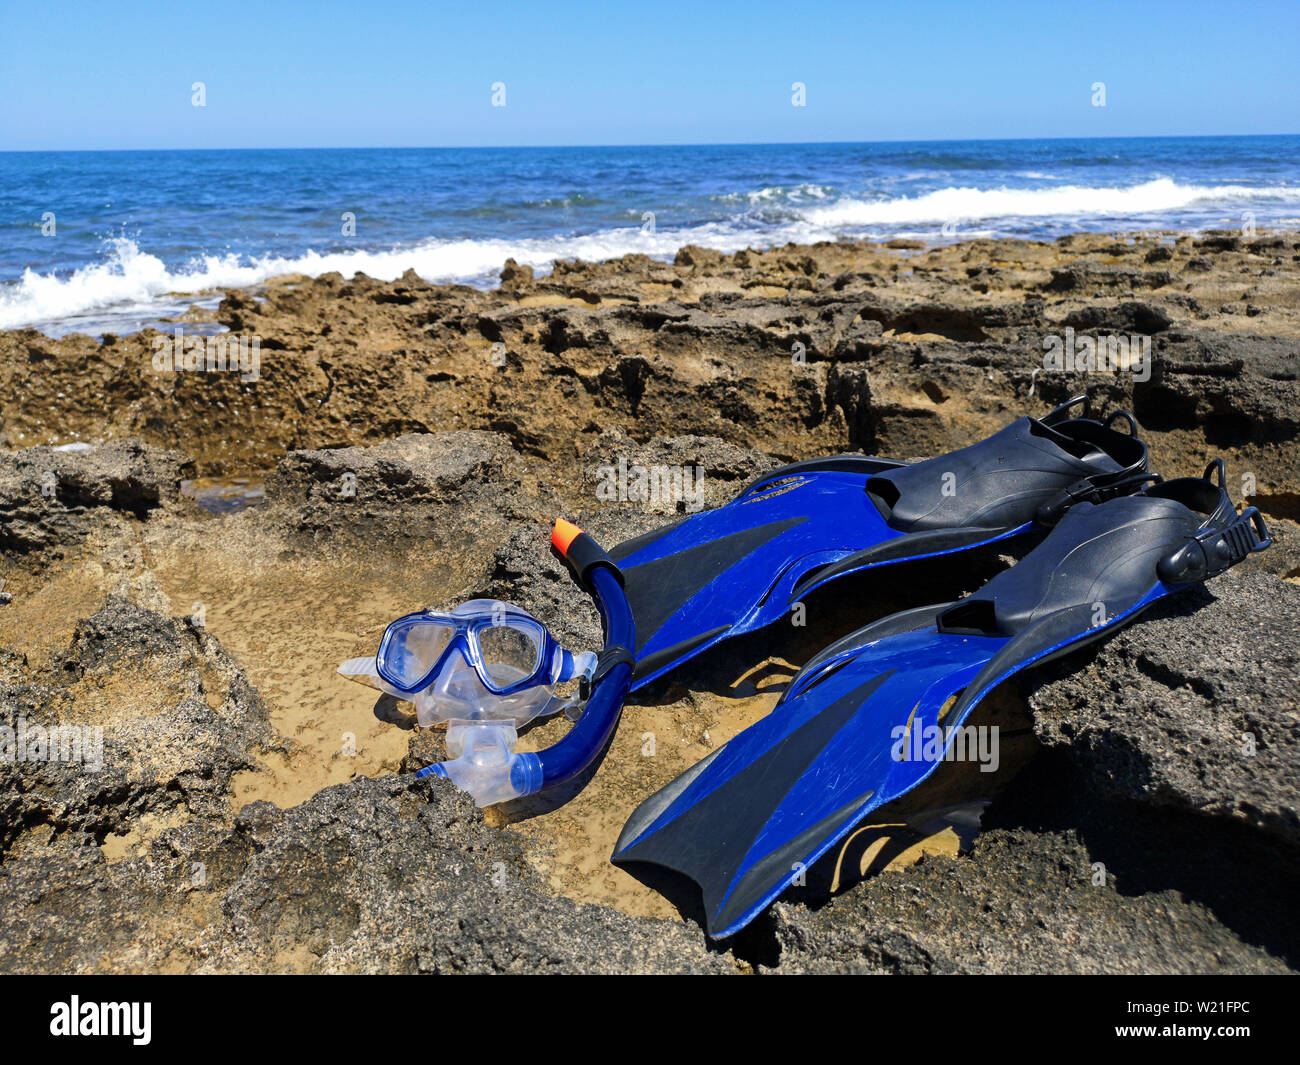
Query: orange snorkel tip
point(564, 533)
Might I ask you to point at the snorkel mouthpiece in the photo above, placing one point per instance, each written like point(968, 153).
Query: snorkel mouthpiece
point(484, 762)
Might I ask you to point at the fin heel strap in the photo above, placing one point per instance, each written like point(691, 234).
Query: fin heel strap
point(1217, 473)
point(1092, 490)
point(1059, 414)
point(1128, 419)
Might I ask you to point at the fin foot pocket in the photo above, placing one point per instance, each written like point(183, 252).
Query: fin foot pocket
point(807, 523)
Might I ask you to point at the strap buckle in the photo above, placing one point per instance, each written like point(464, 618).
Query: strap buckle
point(1213, 550)
point(1054, 509)
point(1091, 490)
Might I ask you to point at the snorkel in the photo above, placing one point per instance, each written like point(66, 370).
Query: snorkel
point(484, 762)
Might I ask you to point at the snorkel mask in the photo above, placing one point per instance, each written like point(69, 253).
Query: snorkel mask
point(487, 668)
point(484, 661)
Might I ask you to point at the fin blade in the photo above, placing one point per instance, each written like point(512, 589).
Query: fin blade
point(660, 588)
point(715, 823)
point(779, 795)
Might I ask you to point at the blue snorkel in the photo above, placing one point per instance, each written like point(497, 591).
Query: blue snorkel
point(484, 762)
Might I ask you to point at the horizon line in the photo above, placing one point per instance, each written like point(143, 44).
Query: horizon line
point(665, 144)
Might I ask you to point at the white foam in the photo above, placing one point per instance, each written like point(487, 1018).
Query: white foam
point(130, 279)
point(1151, 197)
point(778, 193)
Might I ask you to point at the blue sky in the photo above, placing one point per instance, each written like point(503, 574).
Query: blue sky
point(383, 74)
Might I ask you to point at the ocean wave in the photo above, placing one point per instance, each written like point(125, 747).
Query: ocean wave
point(778, 193)
point(1151, 197)
point(128, 281)
point(128, 278)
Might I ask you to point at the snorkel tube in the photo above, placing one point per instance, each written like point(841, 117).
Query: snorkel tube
point(484, 762)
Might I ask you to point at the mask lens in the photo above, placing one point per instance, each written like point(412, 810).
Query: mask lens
point(412, 649)
point(511, 653)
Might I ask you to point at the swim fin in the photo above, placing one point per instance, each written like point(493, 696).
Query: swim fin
point(739, 567)
point(869, 718)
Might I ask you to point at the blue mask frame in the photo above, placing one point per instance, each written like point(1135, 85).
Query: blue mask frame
point(552, 663)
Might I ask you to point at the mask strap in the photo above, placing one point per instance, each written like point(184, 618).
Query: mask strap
point(609, 657)
point(571, 665)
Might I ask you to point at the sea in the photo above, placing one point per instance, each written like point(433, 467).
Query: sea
point(112, 242)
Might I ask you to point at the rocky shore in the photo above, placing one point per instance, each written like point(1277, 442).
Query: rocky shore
point(188, 582)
